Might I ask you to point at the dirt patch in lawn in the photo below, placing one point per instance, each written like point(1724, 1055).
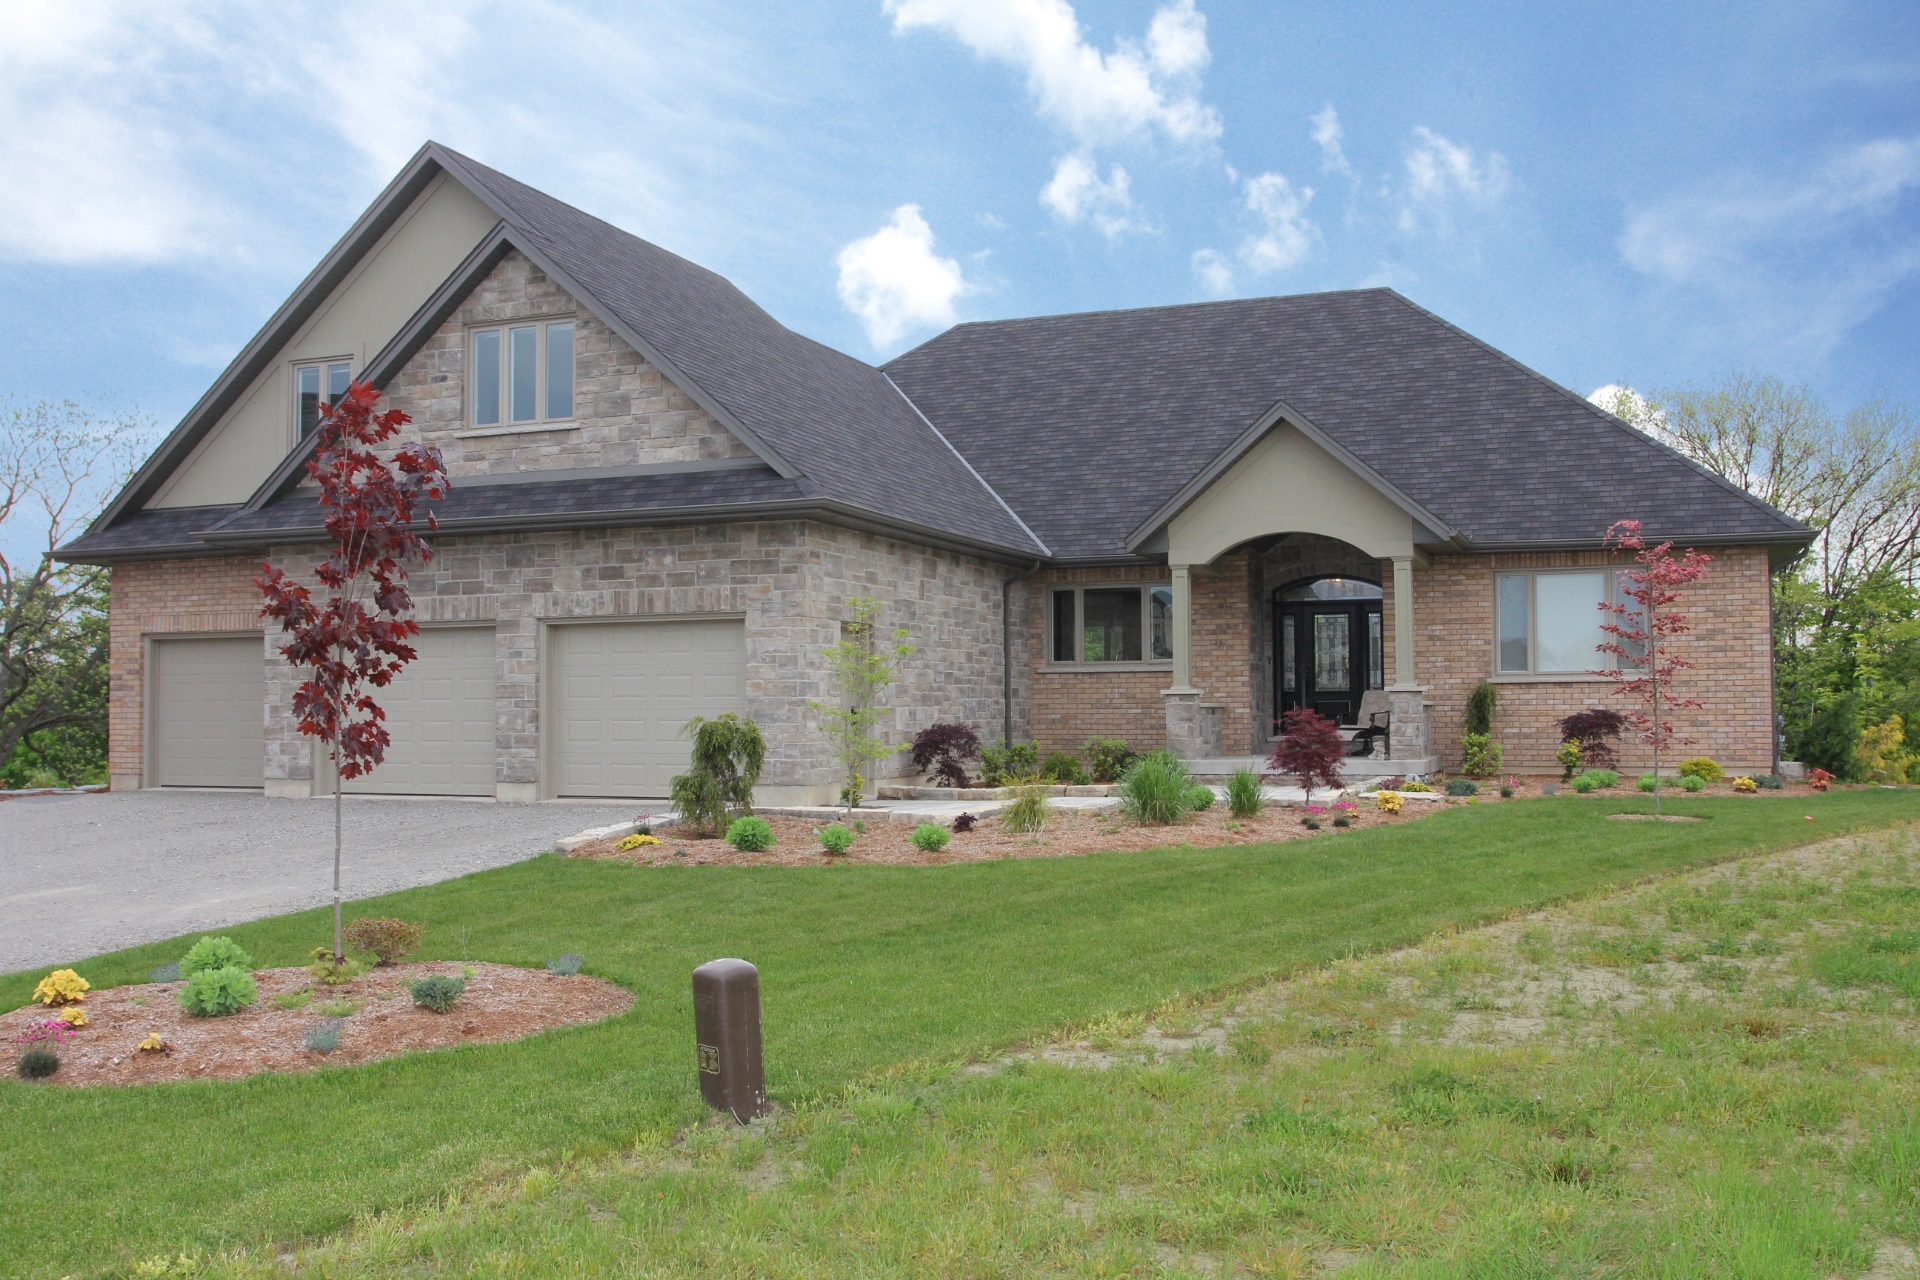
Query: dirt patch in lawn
point(1067, 834)
point(501, 1002)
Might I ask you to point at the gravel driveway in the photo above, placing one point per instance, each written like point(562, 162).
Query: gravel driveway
point(84, 874)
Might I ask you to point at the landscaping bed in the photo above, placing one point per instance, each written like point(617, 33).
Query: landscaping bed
point(500, 1003)
point(1067, 834)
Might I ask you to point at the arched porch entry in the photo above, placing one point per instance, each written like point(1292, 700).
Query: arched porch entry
point(1328, 646)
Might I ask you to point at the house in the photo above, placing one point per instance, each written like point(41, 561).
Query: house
point(1168, 525)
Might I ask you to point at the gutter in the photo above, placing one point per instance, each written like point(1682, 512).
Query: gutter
point(1006, 647)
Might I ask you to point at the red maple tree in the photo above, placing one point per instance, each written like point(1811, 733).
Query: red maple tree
point(1643, 629)
point(359, 636)
point(1311, 750)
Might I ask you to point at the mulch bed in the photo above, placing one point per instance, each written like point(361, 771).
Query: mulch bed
point(501, 1003)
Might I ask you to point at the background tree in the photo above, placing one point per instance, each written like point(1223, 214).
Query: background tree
point(58, 462)
point(359, 637)
point(1644, 628)
point(859, 671)
point(1311, 750)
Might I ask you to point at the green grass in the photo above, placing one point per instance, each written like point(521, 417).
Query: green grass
point(863, 969)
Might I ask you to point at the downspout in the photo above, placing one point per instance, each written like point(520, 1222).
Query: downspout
point(1006, 647)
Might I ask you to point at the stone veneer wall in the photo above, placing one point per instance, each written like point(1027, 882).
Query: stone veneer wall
point(1731, 643)
point(790, 579)
point(625, 410)
point(165, 597)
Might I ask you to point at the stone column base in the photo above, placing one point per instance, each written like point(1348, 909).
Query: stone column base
point(123, 782)
point(1194, 728)
point(1411, 737)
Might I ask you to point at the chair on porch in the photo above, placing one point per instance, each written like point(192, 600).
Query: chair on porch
point(1376, 723)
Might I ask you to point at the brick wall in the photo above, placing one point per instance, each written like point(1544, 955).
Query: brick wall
point(1069, 706)
point(1224, 644)
point(625, 411)
point(165, 597)
point(1453, 652)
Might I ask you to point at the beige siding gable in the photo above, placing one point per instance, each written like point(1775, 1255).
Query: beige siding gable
point(626, 412)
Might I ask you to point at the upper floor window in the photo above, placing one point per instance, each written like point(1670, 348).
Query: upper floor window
point(1112, 624)
point(310, 382)
point(523, 373)
point(1548, 623)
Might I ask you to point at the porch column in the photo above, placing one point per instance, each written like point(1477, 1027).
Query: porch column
point(1182, 627)
point(1410, 740)
point(1402, 620)
point(1193, 730)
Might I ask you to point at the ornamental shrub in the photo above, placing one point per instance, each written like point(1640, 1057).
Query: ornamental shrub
point(1483, 755)
point(930, 837)
point(324, 1035)
point(1311, 750)
point(437, 992)
point(566, 964)
point(1342, 820)
point(1417, 786)
point(750, 834)
point(1015, 760)
point(728, 753)
point(1569, 757)
point(169, 972)
point(1064, 767)
point(333, 970)
point(1596, 780)
point(1028, 812)
point(1770, 782)
point(1389, 802)
point(835, 839)
point(217, 993)
point(1462, 787)
point(389, 939)
point(214, 953)
point(1692, 783)
point(638, 840)
point(1482, 703)
point(1745, 786)
point(1591, 729)
point(1155, 789)
point(1646, 782)
point(1702, 768)
point(37, 1064)
point(1108, 759)
point(1243, 793)
point(942, 750)
point(62, 986)
point(965, 822)
point(1199, 798)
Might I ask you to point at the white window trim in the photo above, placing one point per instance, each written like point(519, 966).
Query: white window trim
point(1079, 590)
point(506, 425)
point(293, 380)
point(1604, 661)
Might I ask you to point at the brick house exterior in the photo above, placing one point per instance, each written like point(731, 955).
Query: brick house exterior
point(1193, 469)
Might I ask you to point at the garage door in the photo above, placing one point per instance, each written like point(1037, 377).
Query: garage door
point(208, 699)
point(440, 711)
point(619, 692)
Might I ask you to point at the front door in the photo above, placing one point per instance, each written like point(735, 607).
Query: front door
point(1326, 655)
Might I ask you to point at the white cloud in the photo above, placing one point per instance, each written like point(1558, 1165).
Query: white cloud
point(1328, 136)
point(1126, 93)
point(1441, 173)
point(1630, 406)
point(894, 281)
point(1077, 194)
point(1213, 271)
point(1284, 236)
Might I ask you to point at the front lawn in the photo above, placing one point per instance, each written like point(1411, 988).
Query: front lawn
point(863, 968)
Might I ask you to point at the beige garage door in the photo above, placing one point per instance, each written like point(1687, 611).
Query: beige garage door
point(618, 693)
point(440, 715)
point(208, 700)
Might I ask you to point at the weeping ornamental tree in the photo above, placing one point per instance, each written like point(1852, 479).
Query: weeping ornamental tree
point(358, 637)
point(1642, 632)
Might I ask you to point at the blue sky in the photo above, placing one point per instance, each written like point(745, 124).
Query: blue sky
point(1621, 192)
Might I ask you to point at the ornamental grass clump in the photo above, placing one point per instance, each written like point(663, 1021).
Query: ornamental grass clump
point(437, 992)
point(1155, 789)
point(835, 839)
point(217, 993)
point(387, 938)
point(930, 837)
point(566, 964)
point(37, 1064)
point(1028, 812)
point(751, 834)
point(1243, 793)
point(324, 1035)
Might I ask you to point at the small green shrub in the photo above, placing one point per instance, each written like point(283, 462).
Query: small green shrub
point(294, 999)
point(1771, 781)
point(1647, 782)
point(1462, 787)
point(1692, 783)
point(930, 837)
point(1064, 767)
point(1243, 793)
point(1595, 780)
point(388, 939)
point(1342, 820)
point(566, 964)
point(214, 953)
point(437, 991)
point(1482, 704)
point(166, 973)
point(1028, 812)
point(324, 1035)
point(1108, 759)
point(37, 1064)
point(1703, 768)
point(1015, 760)
point(835, 839)
point(1199, 798)
point(1483, 756)
point(333, 970)
point(216, 993)
point(751, 834)
point(1569, 757)
point(1155, 789)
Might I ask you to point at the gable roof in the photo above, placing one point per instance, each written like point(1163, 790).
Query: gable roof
point(1088, 423)
point(837, 428)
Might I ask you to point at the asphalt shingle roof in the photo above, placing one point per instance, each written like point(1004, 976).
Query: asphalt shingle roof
point(1088, 423)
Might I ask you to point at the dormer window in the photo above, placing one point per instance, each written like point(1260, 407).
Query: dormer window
point(310, 382)
point(523, 373)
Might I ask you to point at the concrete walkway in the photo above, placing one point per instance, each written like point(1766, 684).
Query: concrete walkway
point(81, 874)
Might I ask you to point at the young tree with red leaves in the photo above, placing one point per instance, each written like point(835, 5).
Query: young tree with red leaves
point(1643, 632)
point(359, 636)
point(1311, 750)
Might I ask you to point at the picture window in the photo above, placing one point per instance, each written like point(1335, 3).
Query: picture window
point(523, 373)
point(1549, 623)
point(1108, 624)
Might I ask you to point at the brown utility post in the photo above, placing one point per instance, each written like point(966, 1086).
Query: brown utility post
point(726, 1032)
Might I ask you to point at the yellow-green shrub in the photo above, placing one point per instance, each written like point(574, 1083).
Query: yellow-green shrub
point(1702, 768)
point(62, 986)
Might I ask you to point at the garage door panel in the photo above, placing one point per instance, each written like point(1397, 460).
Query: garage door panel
point(208, 697)
point(622, 691)
point(440, 715)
